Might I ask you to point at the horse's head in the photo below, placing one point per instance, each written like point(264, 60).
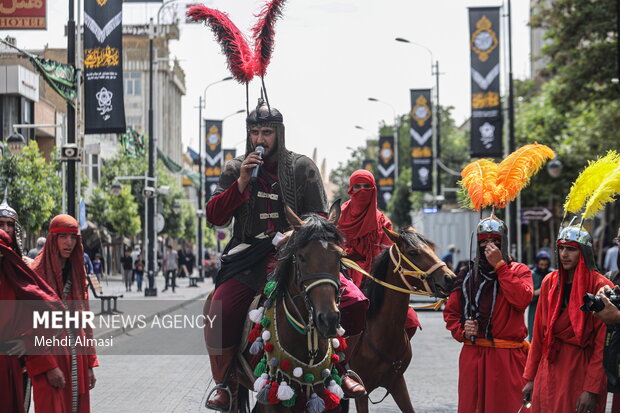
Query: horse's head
point(415, 258)
point(313, 257)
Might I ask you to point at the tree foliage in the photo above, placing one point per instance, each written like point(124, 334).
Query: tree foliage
point(581, 45)
point(35, 189)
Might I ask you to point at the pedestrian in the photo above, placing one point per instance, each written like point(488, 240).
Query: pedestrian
point(171, 266)
point(9, 223)
point(539, 272)
point(98, 267)
point(611, 259)
point(127, 267)
point(138, 270)
point(183, 271)
point(88, 264)
point(565, 365)
point(17, 282)
point(34, 251)
point(448, 258)
point(66, 376)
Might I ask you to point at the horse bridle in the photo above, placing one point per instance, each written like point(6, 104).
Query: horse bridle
point(416, 272)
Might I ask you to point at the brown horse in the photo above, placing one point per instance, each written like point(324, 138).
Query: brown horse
point(308, 279)
point(384, 353)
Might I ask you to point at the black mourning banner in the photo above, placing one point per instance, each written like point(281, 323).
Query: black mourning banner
point(421, 132)
point(213, 155)
point(486, 111)
point(229, 154)
point(386, 169)
point(369, 165)
point(104, 108)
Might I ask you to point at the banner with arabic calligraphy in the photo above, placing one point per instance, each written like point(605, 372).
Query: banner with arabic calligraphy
point(104, 108)
point(23, 15)
point(486, 109)
point(386, 169)
point(213, 155)
point(421, 132)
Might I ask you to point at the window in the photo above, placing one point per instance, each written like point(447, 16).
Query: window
point(133, 83)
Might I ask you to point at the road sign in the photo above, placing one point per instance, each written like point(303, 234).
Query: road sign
point(221, 235)
point(536, 214)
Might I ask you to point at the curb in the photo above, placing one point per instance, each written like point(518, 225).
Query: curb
point(122, 330)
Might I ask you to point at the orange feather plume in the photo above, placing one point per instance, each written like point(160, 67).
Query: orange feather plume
point(515, 171)
point(479, 181)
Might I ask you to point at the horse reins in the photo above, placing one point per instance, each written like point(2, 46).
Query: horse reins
point(402, 271)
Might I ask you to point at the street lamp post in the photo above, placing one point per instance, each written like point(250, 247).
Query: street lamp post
point(396, 128)
point(200, 212)
point(437, 135)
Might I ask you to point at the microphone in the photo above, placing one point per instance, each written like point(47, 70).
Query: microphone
point(260, 151)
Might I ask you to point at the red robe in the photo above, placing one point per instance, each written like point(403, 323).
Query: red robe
point(572, 365)
point(49, 399)
point(17, 282)
point(490, 378)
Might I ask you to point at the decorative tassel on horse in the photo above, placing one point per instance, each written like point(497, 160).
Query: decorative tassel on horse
point(285, 392)
point(256, 315)
point(315, 404)
point(260, 382)
point(272, 396)
point(335, 389)
point(257, 346)
point(263, 395)
point(331, 400)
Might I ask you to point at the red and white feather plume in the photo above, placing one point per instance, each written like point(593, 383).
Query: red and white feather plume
point(234, 44)
point(264, 33)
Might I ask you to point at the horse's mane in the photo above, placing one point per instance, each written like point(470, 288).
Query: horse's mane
point(375, 291)
point(315, 228)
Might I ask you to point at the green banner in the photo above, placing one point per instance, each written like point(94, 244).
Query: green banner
point(60, 76)
point(132, 142)
point(176, 169)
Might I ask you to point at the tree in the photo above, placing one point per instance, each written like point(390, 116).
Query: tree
point(122, 213)
point(581, 44)
point(35, 189)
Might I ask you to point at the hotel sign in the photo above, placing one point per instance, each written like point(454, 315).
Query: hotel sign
point(23, 15)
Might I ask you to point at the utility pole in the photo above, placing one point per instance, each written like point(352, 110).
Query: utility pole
point(512, 206)
point(150, 201)
point(438, 131)
point(201, 206)
point(71, 114)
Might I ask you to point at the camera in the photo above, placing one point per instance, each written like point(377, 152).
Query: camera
point(594, 303)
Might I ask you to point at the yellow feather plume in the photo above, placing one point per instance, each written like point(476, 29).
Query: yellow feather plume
point(479, 181)
point(515, 171)
point(589, 180)
point(606, 192)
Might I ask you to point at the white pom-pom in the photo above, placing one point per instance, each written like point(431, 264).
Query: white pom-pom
point(260, 382)
point(340, 331)
point(257, 315)
point(285, 392)
point(335, 343)
point(336, 389)
point(297, 372)
point(266, 335)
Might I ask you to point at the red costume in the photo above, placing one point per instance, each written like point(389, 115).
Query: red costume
point(566, 357)
point(361, 224)
point(17, 282)
point(48, 265)
point(490, 377)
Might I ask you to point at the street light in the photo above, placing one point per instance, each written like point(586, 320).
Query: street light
point(116, 189)
point(554, 168)
point(15, 142)
point(202, 102)
point(396, 127)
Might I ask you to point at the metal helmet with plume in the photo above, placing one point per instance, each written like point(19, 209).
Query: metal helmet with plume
point(597, 185)
point(6, 211)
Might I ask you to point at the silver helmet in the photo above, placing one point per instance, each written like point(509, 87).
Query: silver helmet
point(494, 226)
point(578, 235)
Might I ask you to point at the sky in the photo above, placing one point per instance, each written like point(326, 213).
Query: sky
point(329, 57)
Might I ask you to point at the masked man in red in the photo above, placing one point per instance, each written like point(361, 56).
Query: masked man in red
point(62, 381)
point(565, 365)
point(485, 312)
point(361, 224)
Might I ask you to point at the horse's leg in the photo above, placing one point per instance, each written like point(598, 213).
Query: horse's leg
point(401, 395)
point(361, 404)
point(205, 312)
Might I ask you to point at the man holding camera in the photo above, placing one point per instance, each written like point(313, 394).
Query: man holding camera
point(564, 368)
point(610, 315)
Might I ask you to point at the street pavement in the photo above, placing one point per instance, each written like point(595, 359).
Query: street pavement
point(149, 377)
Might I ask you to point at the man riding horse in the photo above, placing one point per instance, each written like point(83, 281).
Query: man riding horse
point(258, 206)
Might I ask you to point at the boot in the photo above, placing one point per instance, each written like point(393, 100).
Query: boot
point(350, 386)
point(221, 400)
